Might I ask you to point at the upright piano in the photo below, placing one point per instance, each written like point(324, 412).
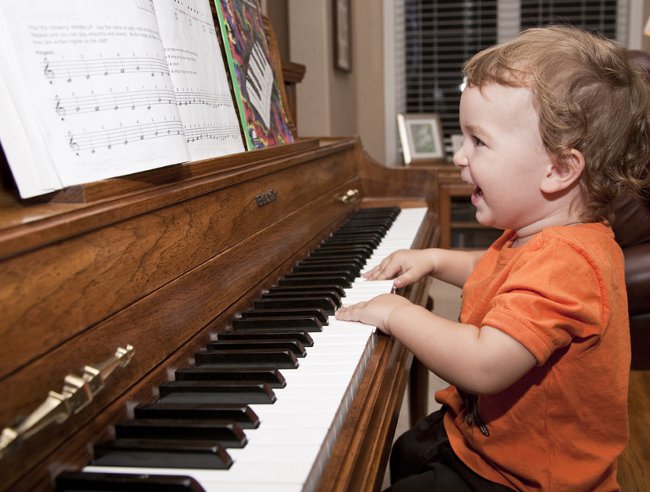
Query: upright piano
point(113, 292)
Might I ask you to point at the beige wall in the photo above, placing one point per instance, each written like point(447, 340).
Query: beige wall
point(278, 13)
point(331, 102)
point(326, 98)
point(369, 53)
point(645, 46)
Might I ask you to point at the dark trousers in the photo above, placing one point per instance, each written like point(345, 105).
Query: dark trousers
point(422, 460)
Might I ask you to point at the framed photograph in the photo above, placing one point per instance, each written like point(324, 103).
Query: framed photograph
point(342, 35)
point(421, 137)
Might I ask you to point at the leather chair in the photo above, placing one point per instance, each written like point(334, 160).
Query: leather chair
point(632, 230)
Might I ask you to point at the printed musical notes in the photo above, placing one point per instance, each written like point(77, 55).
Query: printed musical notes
point(92, 91)
point(103, 67)
point(124, 100)
point(199, 75)
point(98, 140)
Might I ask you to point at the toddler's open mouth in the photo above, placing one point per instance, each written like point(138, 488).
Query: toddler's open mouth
point(477, 194)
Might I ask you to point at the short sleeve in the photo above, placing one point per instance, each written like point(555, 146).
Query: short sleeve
point(554, 295)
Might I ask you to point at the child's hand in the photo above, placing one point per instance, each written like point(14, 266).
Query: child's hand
point(374, 312)
point(406, 266)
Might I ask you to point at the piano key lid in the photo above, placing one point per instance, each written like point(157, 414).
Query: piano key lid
point(77, 393)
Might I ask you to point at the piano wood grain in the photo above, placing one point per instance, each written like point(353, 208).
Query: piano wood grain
point(164, 266)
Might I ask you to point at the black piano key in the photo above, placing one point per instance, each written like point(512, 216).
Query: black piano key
point(298, 281)
point(323, 303)
point(371, 242)
point(386, 213)
point(296, 347)
point(306, 323)
point(162, 453)
point(340, 253)
point(224, 432)
point(216, 392)
point(302, 336)
point(317, 289)
point(349, 268)
point(378, 224)
point(371, 220)
point(242, 414)
point(307, 291)
point(352, 260)
point(78, 481)
point(364, 251)
point(271, 376)
point(298, 312)
point(281, 359)
point(348, 276)
point(393, 211)
point(347, 230)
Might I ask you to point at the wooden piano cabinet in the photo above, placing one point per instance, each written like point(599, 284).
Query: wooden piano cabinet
point(162, 261)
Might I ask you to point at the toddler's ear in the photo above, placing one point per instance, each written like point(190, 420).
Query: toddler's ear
point(563, 172)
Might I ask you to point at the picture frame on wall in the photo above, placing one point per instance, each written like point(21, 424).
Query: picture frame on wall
point(342, 17)
point(420, 136)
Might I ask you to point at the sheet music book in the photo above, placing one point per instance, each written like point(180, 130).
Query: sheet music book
point(92, 89)
point(262, 114)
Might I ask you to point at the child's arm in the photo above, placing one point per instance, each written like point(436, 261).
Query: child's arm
point(410, 265)
point(481, 361)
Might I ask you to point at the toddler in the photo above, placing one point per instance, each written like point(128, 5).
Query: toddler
point(555, 123)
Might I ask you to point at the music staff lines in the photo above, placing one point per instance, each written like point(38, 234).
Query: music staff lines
point(211, 133)
point(70, 69)
point(107, 139)
point(185, 98)
point(65, 106)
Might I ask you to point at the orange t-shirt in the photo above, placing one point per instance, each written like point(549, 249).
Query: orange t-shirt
point(562, 426)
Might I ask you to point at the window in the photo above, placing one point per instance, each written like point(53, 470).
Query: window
point(593, 15)
point(439, 36)
point(433, 38)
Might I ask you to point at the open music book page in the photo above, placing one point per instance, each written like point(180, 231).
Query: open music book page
point(200, 78)
point(262, 114)
point(92, 89)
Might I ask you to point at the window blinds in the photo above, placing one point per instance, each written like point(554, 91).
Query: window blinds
point(433, 38)
point(439, 35)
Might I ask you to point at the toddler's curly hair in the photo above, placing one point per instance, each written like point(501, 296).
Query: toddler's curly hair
point(590, 95)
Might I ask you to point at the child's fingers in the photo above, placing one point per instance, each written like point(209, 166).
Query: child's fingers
point(387, 269)
point(407, 278)
point(350, 313)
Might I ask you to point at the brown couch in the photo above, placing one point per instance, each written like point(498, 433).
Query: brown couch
point(632, 229)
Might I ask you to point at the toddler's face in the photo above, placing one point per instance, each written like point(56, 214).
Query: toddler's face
point(502, 156)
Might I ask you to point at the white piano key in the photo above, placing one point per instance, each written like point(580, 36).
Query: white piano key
point(290, 448)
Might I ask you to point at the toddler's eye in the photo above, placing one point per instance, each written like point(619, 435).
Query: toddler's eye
point(477, 142)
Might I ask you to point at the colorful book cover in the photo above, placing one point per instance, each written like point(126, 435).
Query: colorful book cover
point(258, 98)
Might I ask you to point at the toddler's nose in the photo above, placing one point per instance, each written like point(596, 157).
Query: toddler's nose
point(460, 159)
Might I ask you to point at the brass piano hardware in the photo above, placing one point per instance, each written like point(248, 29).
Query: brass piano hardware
point(349, 196)
point(77, 393)
point(266, 198)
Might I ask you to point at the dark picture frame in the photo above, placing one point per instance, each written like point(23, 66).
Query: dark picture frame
point(342, 16)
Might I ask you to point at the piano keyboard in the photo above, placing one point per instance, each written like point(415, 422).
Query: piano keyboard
point(287, 424)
